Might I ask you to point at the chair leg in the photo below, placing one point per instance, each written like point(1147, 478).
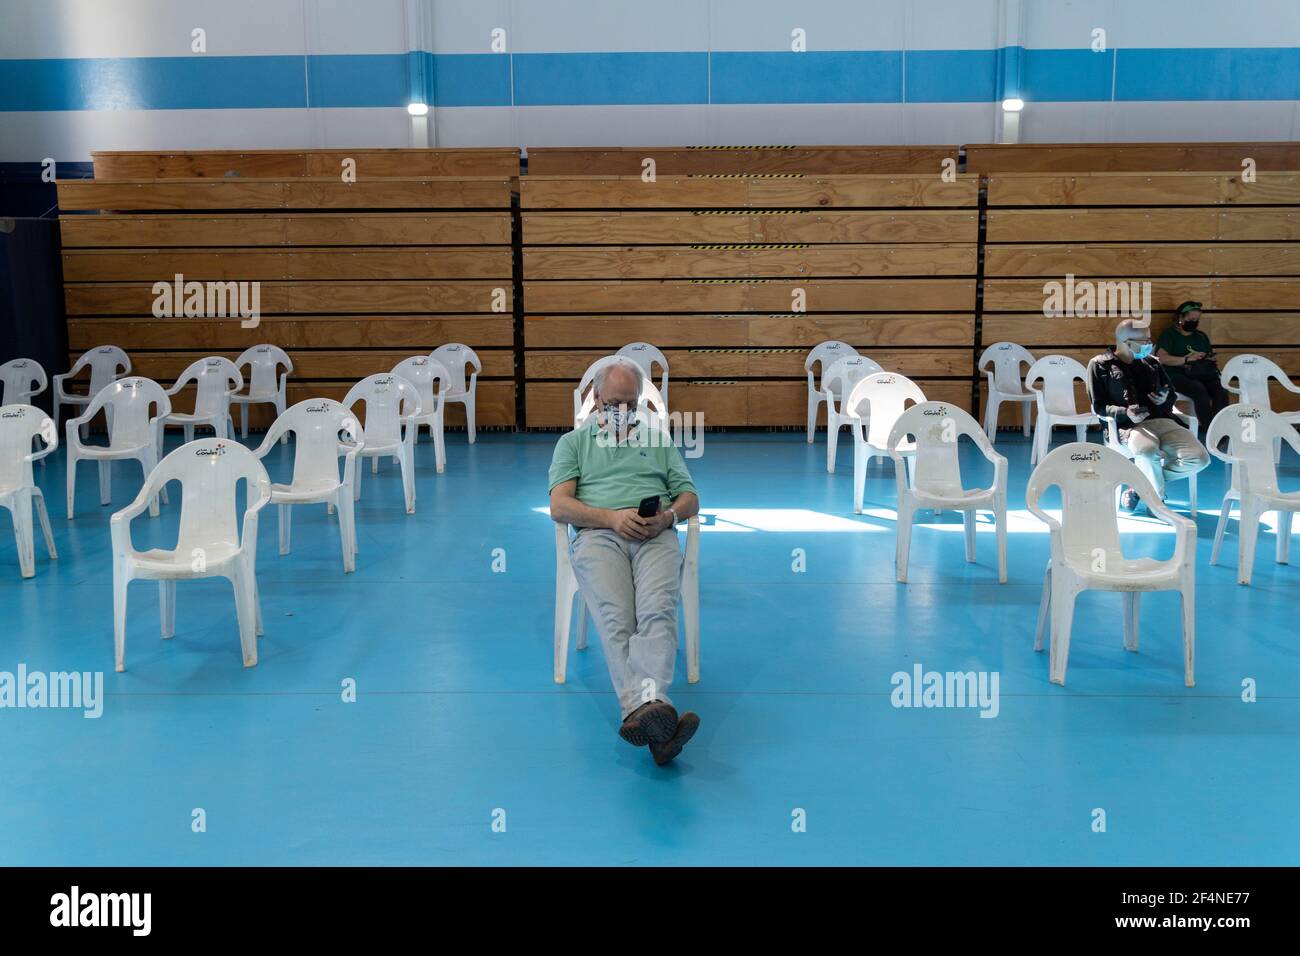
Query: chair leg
point(832, 439)
point(1081, 433)
point(968, 520)
point(814, 402)
point(120, 582)
point(406, 462)
point(1000, 521)
point(279, 410)
point(1191, 495)
point(189, 433)
point(1025, 416)
point(1189, 634)
point(167, 608)
point(903, 545)
point(245, 612)
point(1132, 610)
point(439, 444)
point(22, 512)
point(691, 608)
point(357, 475)
point(860, 457)
point(1283, 537)
point(1224, 510)
point(469, 418)
point(1036, 449)
point(1247, 535)
point(147, 465)
point(39, 499)
point(1044, 605)
point(1063, 597)
point(257, 600)
point(285, 514)
point(243, 420)
point(345, 530)
point(105, 481)
point(991, 418)
point(71, 469)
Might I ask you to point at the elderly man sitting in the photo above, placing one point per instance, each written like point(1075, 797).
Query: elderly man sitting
point(628, 567)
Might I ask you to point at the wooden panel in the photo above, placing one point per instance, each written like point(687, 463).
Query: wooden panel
point(314, 229)
point(288, 297)
point(494, 405)
point(352, 365)
point(756, 296)
point(1129, 157)
point(766, 403)
point(1144, 259)
point(500, 161)
point(1100, 225)
point(704, 192)
point(449, 262)
point(753, 363)
point(805, 330)
point(649, 228)
point(1156, 189)
point(417, 333)
point(627, 160)
point(1258, 224)
point(1226, 329)
point(650, 262)
point(283, 194)
point(1025, 295)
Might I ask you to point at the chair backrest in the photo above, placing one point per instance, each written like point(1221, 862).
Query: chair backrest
point(842, 374)
point(1251, 431)
point(319, 425)
point(1252, 373)
point(936, 428)
point(455, 356)
point(131, 399)
point(422, 371)
point(1006, 359)
point(20, 379)
point(19, 424)
point(584, 395)
point(216, 377)
point(1088, 476)
point(646, 355)
point(827, 353)
point(1058, 374)
point(209, 471)
point(106, 363)
point(263, 362)
point(883, 397)
point(389, 398)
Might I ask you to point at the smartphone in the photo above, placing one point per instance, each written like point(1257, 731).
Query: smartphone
point(649, 507)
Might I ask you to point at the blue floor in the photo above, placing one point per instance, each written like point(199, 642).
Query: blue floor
point(457, 715)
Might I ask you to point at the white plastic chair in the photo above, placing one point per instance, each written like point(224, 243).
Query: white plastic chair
point(107, 363)
point(392, 405)
point(1252, 374)
point(1114, 444)
point(317, 425)
point(1001, 363)
point(21, 380)
point(874, 406)
point(1055, 401)
point(1086, 552)
point(936, 482)
point(265, 386)
point(213, 376)
point(826, 353)
point(456, 357)
point(1251, 432)
point(837, 382)
point(133, 433)
point(422, 371)
point(567, 594)
point(646, 356)
point(208, 544)
point(19, 425)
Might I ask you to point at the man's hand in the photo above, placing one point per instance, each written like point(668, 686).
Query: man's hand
point(1193, 357)
point(1136, 413)
point(626, 523)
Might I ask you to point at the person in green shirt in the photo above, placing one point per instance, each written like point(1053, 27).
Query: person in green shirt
point(628, 567)
point(1188, 357)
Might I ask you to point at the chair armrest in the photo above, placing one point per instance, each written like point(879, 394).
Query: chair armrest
point(120, 524)
point(284, 381)
point(1286, 383)
point(248, 538)
point(1184, 528)
point(473, 382)
point(49, 447)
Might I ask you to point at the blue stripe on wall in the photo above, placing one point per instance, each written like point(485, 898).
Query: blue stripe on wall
point(1208, 74)
point(812, 77)
point(565, 79)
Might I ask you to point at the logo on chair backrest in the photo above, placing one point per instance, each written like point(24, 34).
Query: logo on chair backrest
point(218, 449)
point(887, 380)
point(422, 360)
point(1249, 361)
point(1093, 455)
point(106, 350)
point(384, 382)
point(213, 363)
point(1056, 361)
point(456, 348)
point(129, 383)
point(316, 409)
point(21, 363)
point(1005, 347)
point(16, 413)
point(941, 410)
point(1250, 413)
point(262, 349)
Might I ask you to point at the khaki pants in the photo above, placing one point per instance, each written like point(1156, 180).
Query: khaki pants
point(1165, 451)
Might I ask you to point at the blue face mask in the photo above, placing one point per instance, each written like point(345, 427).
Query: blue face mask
point(1145, 351)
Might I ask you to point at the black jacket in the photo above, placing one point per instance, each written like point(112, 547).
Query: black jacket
point(1115, 385)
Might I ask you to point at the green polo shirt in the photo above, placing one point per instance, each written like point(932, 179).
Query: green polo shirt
point(1172, 342)
point(618, 476)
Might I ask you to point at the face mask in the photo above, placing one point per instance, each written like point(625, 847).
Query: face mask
point(617, 417)
point(1144, 350)
point(1190, 325)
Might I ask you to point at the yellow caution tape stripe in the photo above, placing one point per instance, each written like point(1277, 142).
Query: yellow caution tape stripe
point(748, 212)
point(744, 175)
point(742, 147)
point(749, 245)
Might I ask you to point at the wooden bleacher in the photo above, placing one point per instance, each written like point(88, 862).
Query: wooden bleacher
point(354, 276)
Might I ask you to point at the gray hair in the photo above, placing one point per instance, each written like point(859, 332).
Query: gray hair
point(598, 380)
